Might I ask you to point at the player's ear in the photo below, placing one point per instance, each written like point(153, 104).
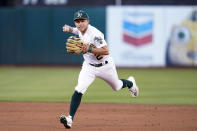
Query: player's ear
point(88, 20)
point(75, 23)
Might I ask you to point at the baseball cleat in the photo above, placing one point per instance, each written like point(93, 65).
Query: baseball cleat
point(134, 89)
point(66, 121)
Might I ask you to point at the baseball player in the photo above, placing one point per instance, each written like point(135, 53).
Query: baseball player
point(97, 63)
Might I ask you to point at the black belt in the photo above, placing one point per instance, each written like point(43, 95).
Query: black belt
point(99, 65)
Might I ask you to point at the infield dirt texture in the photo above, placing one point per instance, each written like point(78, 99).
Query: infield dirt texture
point(22, 116)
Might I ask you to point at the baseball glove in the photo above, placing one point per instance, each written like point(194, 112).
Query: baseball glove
point(74, 45)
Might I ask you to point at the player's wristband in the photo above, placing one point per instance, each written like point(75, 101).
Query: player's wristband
point(90, 49)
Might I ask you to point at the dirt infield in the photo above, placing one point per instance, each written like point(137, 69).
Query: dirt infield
point(23, 116)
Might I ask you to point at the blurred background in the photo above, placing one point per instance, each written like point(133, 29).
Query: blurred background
point(139, 33)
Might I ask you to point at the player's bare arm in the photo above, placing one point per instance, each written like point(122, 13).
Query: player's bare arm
point(100, 51)
point(96, 51)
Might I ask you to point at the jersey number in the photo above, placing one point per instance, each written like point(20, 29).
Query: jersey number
point(98, 57)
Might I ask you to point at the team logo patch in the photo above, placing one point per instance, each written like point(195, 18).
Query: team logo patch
point(79, 14)
point(98, 40)
point(93, 46)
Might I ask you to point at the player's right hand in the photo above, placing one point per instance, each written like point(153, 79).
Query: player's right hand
point(67, 28)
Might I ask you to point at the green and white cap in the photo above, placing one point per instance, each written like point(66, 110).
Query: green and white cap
point(80, 15)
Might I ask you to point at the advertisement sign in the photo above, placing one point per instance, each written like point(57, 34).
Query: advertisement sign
point(133, 38)
point(150, 36)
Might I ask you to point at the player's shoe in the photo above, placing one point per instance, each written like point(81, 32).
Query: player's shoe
point(66, 121)
point(134, 89)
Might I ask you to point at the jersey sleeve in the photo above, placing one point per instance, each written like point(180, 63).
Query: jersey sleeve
point(99, 40)
point(75, 31)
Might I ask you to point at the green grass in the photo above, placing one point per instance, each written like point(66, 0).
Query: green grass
point(157, 86)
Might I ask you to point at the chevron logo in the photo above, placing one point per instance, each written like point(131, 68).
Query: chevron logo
point(138, 29)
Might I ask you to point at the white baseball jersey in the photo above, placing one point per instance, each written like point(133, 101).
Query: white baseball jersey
point(95, 37)
point(88, 73)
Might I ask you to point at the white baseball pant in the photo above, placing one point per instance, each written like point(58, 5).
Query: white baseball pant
point(106, 72)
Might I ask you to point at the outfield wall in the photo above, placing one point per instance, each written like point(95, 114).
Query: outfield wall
point(34, 35)
point(138, 36)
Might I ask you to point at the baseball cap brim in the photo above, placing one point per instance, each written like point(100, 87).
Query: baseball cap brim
point(80, 19)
